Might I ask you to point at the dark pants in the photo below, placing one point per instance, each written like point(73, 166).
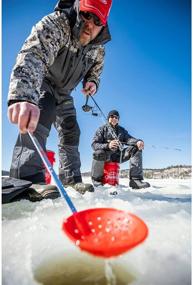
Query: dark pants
point(130, 153)
point(59, 109)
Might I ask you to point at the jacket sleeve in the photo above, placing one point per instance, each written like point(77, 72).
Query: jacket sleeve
point(94, 73)
point(37, 54)
point(99, 142)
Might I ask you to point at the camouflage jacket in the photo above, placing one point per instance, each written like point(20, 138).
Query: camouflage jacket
point(52, 53)
point(104, 135)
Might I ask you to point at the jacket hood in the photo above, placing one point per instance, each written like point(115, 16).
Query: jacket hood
point(76, 24)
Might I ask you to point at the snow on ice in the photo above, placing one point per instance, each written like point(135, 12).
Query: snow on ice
point(36, 251)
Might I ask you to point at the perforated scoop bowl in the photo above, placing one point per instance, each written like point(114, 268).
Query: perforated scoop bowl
point(105, 232)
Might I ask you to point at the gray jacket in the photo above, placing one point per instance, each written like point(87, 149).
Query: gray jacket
point(53, 53)
point(104, 135)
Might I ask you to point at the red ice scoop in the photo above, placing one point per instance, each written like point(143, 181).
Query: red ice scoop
point(104, 232)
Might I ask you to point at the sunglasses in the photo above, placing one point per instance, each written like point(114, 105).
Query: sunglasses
point(88, 16)
point(114, 116)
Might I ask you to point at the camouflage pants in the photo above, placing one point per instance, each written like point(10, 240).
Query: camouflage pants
point(130, 153)
point(57, 109)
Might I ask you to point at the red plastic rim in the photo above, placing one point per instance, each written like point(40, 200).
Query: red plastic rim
point(105, 232)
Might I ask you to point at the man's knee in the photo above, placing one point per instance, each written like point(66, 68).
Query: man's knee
point(99, 155)
point(129, 152)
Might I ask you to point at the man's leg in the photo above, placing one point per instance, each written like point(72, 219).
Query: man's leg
point(26, 162)
point(136, 170)
point(69, 135)
point(99, 158)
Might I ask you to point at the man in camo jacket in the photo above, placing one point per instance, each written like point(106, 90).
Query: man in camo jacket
point(64, 48)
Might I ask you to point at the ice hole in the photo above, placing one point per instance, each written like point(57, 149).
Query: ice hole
point(73, 269)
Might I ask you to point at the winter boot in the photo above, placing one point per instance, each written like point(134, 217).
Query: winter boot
point(81, 187)
point(96, 183)
point(138, 184)
point(37, 192)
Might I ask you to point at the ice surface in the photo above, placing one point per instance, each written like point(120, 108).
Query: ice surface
point(34, 247)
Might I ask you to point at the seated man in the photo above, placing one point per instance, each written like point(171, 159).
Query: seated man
point(108, 146)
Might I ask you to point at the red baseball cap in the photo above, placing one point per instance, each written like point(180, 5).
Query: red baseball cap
point(100, 8)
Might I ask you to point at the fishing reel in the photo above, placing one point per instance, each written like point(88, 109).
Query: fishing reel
point(87, 108)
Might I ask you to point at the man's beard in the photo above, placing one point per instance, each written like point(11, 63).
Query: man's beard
point(85, 35)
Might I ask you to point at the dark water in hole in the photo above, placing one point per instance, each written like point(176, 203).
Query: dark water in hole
point(73, 270)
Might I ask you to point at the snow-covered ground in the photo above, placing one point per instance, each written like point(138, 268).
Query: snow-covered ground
point(36, 251)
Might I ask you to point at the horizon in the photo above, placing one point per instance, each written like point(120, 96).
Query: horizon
point(170, 166)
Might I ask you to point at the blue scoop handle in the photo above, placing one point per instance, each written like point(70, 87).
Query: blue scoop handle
point(52, 172)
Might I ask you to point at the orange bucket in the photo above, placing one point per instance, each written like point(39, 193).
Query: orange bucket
point(111, 173)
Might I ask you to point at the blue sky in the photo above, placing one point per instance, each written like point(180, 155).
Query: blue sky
point(147, 76)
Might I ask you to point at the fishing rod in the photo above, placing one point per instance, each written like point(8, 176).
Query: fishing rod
point(88, 108)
